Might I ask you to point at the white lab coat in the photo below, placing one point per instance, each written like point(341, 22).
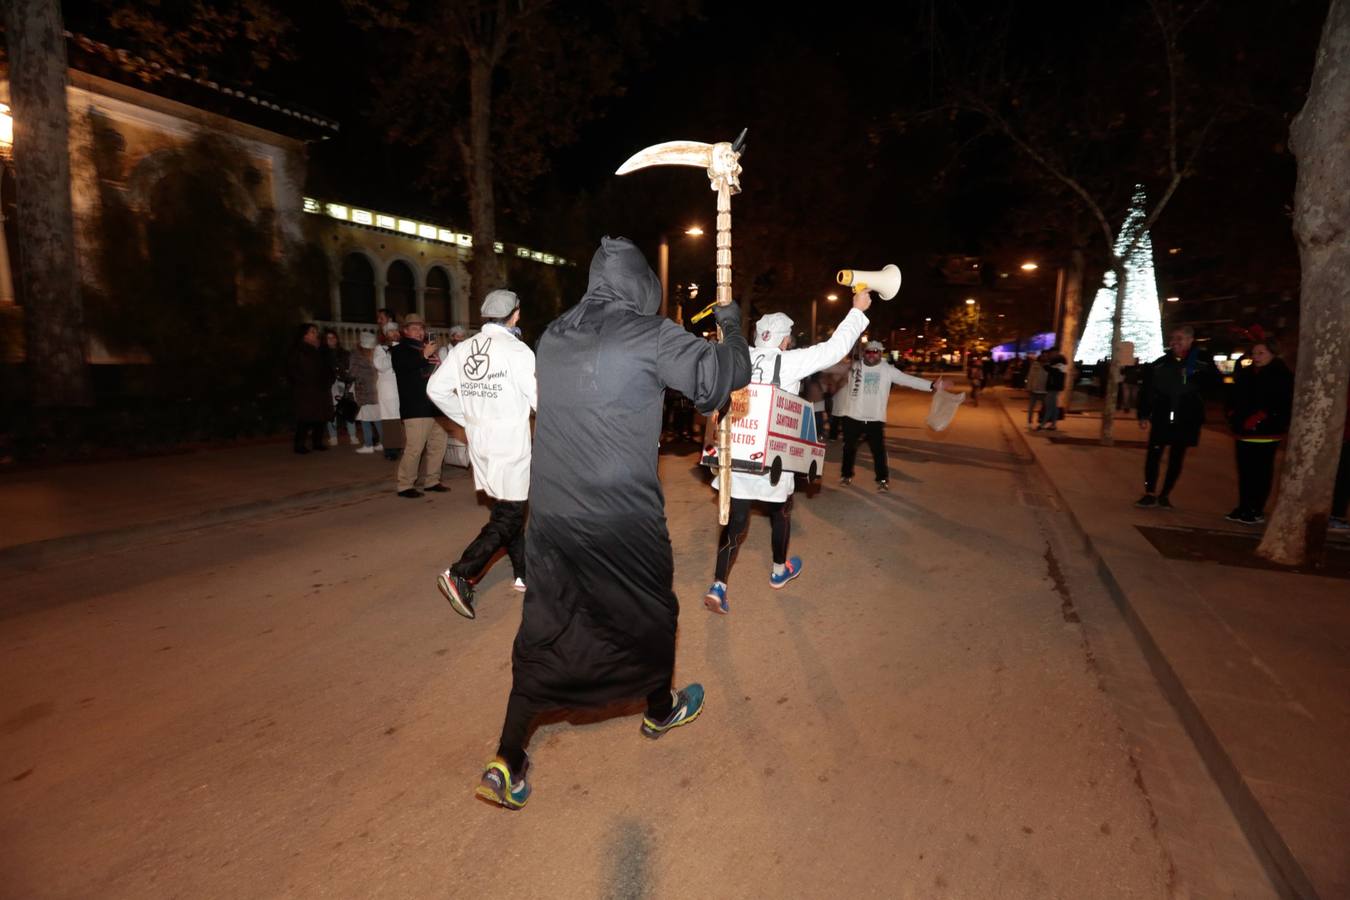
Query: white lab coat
point(867, 389)
point(794, 365)
point(386, 385)
point(487, 385)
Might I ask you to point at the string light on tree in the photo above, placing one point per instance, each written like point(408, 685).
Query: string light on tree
point(1140, 318)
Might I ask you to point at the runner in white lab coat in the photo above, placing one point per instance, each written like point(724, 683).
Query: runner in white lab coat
point(868, 390)
point(770, 354)
point(487, 385)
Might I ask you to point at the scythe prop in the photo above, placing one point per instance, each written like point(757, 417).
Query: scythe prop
point(722, 162)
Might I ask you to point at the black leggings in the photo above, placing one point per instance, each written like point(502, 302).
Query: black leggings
point(521, 712)
point(505, 528)
point(1256, 472)
point(734, 532)
point(876, 439)
point(1175, 458)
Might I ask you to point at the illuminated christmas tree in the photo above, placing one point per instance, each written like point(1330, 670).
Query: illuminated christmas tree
point(1140, 318)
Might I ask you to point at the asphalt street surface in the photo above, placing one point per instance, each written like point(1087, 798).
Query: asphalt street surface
point(288, 708)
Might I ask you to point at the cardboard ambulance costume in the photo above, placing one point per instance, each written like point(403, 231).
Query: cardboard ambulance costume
point(773, 431)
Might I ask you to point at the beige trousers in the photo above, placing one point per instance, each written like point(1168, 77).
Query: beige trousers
point(423, 454)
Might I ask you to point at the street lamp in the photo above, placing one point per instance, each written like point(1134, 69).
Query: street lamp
point(6, 156)
point(1029, 266)
point(814, 301)
point(663, 263)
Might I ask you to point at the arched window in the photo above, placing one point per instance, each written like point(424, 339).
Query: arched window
point(357, 291)
point(400, 290)
point(437, 296)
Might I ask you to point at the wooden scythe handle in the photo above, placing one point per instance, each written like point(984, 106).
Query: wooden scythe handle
point(723, 299)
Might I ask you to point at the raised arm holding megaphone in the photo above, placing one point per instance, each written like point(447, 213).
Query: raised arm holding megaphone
point(886, 282)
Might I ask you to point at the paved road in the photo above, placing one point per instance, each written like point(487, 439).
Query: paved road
point(287, 708)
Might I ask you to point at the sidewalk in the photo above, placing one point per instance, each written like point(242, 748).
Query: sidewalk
point(57, 511)
point(1255, 659)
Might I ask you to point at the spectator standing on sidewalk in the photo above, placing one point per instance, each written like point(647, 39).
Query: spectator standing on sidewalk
point(869, 392)
point(311, 383)
point(1056, 371)
point(976, 377)
point(1129, 386)
point(384, 317)
point(339, 360)
point(1340, 497)
point(1036, 379)
point(487, 385)
point(386, 386)
point(365, 390)
point(414, 362)
point(1258, 409)
point(1172, 410)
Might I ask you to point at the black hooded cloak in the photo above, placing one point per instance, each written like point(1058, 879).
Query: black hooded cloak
point(598, 623)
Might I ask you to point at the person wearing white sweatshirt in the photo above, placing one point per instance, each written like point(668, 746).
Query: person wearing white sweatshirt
point(487, 385)
point(868, 388)
point(772, 362)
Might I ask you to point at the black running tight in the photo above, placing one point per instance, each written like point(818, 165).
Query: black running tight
point(734, 532)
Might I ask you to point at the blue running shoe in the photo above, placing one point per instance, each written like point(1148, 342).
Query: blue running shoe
point(716, 599)
point(688, 704)
point(497, 786)
point(791, 570)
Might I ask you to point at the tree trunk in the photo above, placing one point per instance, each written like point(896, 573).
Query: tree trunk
point(47, 267)
point(1319, 137)
point(485, 274)
point(1113, 368)
point(1068, 331)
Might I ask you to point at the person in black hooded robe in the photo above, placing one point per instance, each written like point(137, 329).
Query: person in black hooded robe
point(598, 623)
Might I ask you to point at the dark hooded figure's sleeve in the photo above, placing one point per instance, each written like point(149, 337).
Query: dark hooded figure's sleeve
point(705, 372)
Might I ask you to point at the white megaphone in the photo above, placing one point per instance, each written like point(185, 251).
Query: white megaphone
point(886, 282)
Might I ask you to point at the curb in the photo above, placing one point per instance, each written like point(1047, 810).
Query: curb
point(1286, 873)
point(35, 554)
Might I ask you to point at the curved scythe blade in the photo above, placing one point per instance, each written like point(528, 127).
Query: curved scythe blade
point(671, 153)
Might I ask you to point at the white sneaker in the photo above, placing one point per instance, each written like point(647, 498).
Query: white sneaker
point(332, 442)
point(377, 447)
point(519, 585)
point(365, 449)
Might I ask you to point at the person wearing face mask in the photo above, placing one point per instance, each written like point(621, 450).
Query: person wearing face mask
point(1258, 410)
point(771, 362)
point(868, 390)
point(1172, 410)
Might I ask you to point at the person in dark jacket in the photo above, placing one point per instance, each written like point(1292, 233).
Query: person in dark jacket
point(311, 388)
point(1258, 411)
point(338, 358)
point(414, 360)
point(599, 620)
point(1172, 410)
point(1056, 369)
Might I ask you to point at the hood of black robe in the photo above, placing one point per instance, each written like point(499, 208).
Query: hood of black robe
point(620, 279)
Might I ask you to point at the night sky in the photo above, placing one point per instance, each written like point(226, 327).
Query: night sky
point(851, 159)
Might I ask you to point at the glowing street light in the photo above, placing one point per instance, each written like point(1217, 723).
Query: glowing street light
point(1029, 266)
point(1173, 299)
point(663, 265)
point(814, 303)
point(6, 132)
point(970, 301)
